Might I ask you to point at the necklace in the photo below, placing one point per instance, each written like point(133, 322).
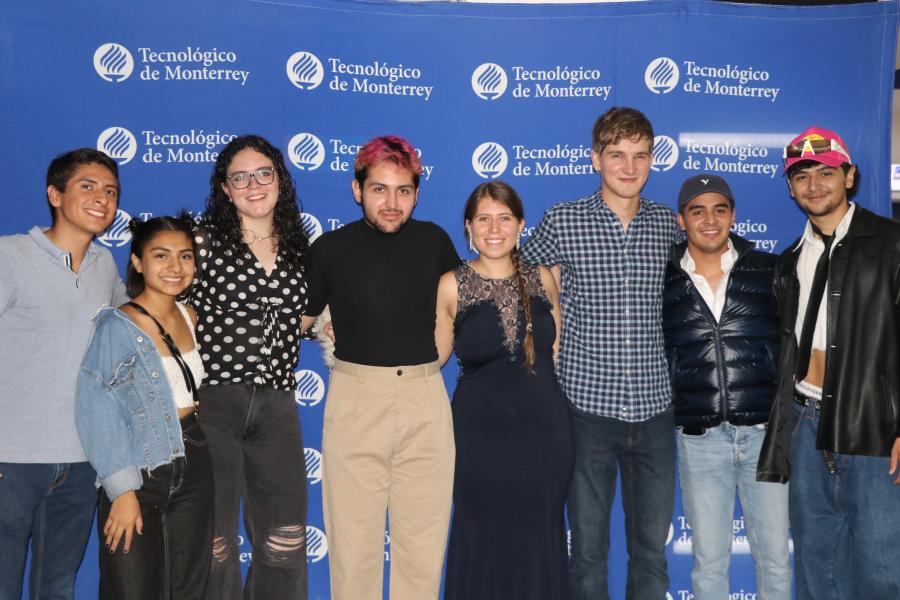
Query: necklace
point(256, 236)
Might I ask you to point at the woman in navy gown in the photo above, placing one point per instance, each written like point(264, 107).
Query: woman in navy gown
point(514, 451)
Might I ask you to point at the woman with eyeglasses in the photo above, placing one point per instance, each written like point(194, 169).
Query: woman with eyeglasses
point(136, 413)
point(250, 292)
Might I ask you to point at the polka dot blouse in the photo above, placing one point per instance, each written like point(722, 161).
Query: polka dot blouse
point(248, 324)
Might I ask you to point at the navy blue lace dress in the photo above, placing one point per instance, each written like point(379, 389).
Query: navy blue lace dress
point(514, 449)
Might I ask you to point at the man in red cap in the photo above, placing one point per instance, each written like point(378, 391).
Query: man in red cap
point(835, 426)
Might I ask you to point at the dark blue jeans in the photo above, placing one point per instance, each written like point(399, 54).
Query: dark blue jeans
point(644, 454)
point(52, 505)
point(846, 524)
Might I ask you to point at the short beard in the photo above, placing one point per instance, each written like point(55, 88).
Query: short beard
point(823, 211)
point(380, 228)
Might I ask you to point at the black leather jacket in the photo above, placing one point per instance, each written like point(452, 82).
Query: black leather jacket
point(725, 370)
point(861, 392)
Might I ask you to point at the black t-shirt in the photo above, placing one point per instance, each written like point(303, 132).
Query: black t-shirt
point(381, 289)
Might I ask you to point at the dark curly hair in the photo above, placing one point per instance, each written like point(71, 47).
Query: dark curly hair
point(293, 243)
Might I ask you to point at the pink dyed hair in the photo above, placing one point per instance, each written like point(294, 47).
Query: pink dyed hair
point(392, 148)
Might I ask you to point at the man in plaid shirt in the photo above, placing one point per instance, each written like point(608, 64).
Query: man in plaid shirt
point(611, 250)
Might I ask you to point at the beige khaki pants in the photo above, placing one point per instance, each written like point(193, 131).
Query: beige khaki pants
point(387, 446)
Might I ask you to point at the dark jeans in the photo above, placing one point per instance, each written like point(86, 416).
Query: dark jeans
point(257, 451)
point(644, 453)
point(846, 524)
point(171, 559)
point(52, 505)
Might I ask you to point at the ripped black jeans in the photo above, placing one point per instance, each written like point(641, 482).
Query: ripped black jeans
point(257, 453)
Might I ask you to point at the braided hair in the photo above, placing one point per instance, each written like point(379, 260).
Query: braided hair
point(504, 193)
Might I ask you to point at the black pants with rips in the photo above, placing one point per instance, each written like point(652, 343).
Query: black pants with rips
point(257, 453)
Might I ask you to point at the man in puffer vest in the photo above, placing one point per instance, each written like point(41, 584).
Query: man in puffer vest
point(721, 338)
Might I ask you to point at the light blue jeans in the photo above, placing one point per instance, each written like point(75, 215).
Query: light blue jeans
point(712, 465)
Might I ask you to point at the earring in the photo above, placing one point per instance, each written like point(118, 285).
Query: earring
point(518, 242)
point(471, 243)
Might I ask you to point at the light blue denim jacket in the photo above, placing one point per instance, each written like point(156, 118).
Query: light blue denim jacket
point(124, 409)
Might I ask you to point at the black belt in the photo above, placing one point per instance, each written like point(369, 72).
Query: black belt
point(693, 430)
point(806, 400)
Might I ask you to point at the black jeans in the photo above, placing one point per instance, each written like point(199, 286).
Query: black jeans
point(257, 452)
point(171, 559)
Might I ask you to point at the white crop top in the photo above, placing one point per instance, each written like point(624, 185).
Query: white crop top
point(180, 393)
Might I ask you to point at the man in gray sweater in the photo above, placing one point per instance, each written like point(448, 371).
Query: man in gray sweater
point(51, 284)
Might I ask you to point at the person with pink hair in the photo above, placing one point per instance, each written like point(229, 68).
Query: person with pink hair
point(388, 440)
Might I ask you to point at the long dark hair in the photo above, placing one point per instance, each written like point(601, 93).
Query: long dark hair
point(142, 233)
point(293, 242)
point(504, 193)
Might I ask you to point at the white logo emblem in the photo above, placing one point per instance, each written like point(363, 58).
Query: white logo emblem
point(313, 465)
point(118, 233)
point(118, 143)
point(661, 75)
point(316, 544)
point(310, 388)
point(489, 81)
point(311, 226)
point(305, 70)
point(306, 151)
point(665, 153)
point(704, 181)
point(113, 62)
point(489, 160)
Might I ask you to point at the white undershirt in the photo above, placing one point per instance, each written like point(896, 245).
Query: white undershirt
point(811, 248)
point(180, 394)
point(715, 299)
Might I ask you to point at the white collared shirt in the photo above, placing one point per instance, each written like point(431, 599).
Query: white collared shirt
point(811, 248)
point(715, 299)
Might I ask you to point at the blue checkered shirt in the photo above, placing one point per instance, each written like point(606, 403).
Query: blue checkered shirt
point(611, 360)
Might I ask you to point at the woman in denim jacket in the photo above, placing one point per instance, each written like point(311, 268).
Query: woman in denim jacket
point(137, 419)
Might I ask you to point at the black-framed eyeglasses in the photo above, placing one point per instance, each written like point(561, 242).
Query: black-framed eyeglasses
point(241, 179)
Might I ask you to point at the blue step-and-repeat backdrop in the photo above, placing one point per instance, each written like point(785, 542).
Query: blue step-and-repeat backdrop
point(483, 92)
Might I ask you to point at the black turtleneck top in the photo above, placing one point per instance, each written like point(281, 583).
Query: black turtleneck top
point(381, 289)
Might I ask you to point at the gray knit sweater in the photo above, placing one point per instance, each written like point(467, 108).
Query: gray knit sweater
point(45, 327)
